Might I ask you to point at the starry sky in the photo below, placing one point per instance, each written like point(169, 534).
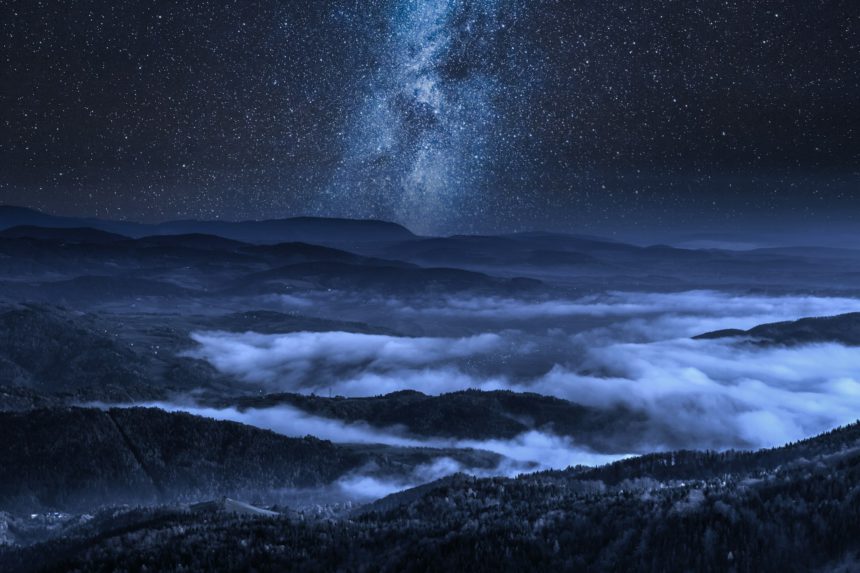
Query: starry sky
point(445, 115)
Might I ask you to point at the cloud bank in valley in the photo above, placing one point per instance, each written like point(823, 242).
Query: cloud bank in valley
point(697, 393)
point(716, 394)
point(361, 486)
point(697, 303)
point(291, 357)
point(529, 451)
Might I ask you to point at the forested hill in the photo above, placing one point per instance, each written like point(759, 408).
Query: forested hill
point(81, 459)
point(789, 509)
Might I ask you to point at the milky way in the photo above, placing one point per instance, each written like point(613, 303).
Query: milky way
point(449, 116)
point(422, 141)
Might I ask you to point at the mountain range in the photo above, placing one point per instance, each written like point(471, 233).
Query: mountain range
point(328, 394)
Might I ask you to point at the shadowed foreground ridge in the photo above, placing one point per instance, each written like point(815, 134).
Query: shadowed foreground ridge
point(703, 512)
point(95, 458)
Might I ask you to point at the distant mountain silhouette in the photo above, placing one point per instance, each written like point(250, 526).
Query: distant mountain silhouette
point(321, 231)
point(381, 277)
point(199, 241)
point(509, 250)
point(66, 234)
point(12, 216)
point(315, 230)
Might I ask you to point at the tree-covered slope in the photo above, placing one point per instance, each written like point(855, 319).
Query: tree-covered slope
point(797, 513)
point(78, 459)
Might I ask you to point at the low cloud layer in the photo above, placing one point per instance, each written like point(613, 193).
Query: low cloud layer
point(360, 486)
point(697, 393)
point(630, 304)
point(529, 451)
point(716, 394)
point(293, 357)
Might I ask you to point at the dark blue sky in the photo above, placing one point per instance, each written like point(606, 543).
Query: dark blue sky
point(445, 115)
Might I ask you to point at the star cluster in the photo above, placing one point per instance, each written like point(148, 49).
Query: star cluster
point(447, 115)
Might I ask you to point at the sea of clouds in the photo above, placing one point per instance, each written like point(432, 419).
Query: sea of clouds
point(637, 352)
point(719, 393)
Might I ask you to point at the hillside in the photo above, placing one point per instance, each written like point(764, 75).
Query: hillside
point(51, 350)
point(469, 414)
point(800, 513)
point(842, 329)
point(145, 456)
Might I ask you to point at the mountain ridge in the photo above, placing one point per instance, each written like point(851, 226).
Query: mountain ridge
point(841, 328)
point(323, 230)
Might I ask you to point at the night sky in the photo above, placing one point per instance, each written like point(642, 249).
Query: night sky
point(445, 115)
